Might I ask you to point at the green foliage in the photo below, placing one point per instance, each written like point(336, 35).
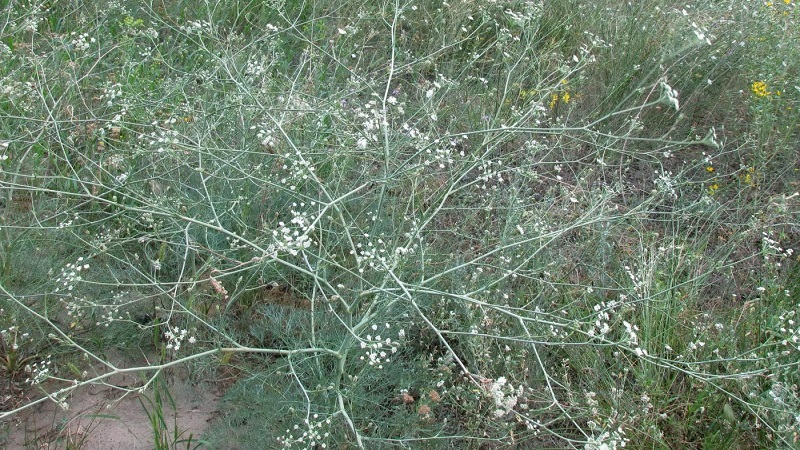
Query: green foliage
point(470, 225)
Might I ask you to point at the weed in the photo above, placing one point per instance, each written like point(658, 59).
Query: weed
point(450, 224)
point(164, 436)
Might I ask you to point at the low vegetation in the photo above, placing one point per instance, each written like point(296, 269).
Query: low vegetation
point(402, 224)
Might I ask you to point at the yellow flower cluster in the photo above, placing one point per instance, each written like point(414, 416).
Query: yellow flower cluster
point(749, 177)
point(555, 97)
point(759, 88)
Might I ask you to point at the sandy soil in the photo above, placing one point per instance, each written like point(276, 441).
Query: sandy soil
point(102, 417)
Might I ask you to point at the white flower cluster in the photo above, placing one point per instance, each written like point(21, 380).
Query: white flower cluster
point(371, 118)
point(781, 394)
point(638, 280)
point(312, 436)
point(442, 155)
point(299, 168)
point(236, 243)
point(17, 91)
point(32, 18)
point(376, 256)
point(68, 223)
point(104, 238)
point(163, 139)
point(489, 174)
point(258, 66)
point(591, 401)
point(647, 405)
point(378, 349)
point(601, 326)
point(147, 221)
point(522, 19)
point(666, 183)
point(633, 339)
point(197, 27)
point(790, 329)
point(121, 178)
point(71, 275)
point(783, 401)
point(504, 395)
point(294, 236)
point(771, 247)
point(38, 371)
point(111, 92)
point(75, 308)
point(81, 42)
point(607, 440)
point(265, 135)
point(111, 312)
point(176, 336)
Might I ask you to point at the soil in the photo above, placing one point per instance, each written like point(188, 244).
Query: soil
point(104, 417)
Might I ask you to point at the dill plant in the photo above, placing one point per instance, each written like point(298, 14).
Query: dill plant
point(403, 224)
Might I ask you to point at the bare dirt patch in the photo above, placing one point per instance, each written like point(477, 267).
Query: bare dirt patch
point(112, 416)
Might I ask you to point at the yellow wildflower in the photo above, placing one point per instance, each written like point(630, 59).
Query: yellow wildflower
point(564, 96)
point(553, 101)
point(750, 177)
point(759, 88)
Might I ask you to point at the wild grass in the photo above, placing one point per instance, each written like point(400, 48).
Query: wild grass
point(398, 224)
